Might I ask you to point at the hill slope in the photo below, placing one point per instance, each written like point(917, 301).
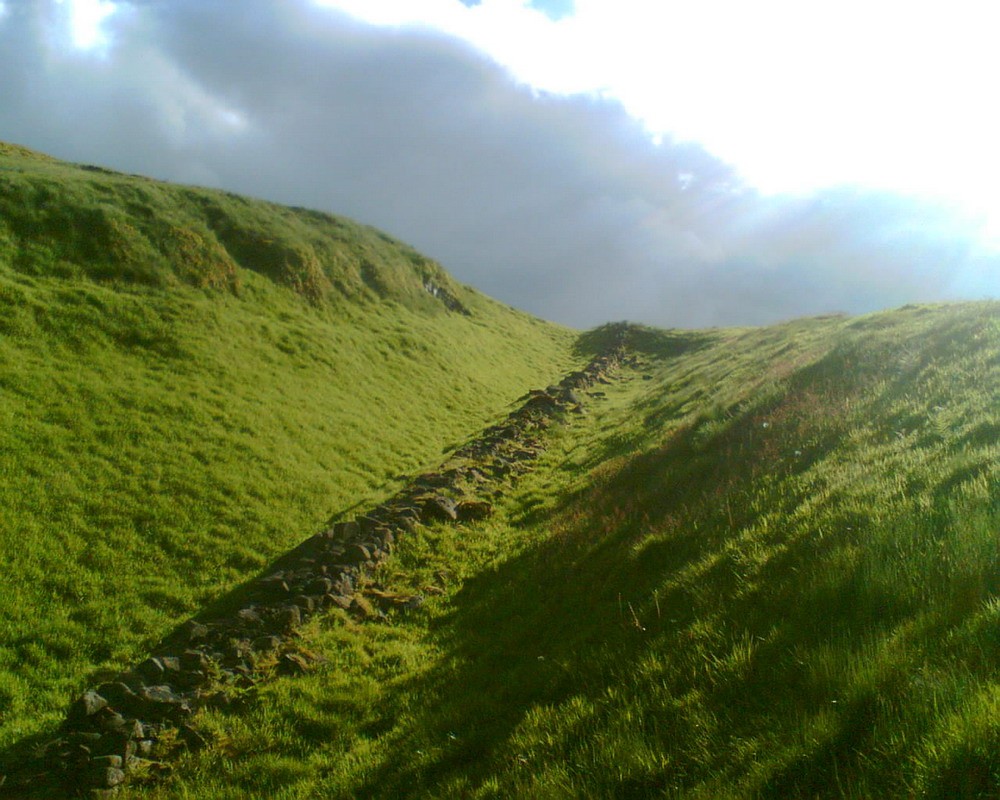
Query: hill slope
point(191, 383)
point(765, 565)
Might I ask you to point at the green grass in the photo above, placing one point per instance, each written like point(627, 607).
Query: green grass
point(163, 439)
point(764, 565)
point(769, 570)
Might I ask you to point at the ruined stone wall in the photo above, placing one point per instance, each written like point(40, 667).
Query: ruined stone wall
point(123, 727)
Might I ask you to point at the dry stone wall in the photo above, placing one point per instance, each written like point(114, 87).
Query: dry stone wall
point(127, 727)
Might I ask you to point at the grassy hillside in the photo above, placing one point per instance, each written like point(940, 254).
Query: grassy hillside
point(765, 565)
point(191, 383)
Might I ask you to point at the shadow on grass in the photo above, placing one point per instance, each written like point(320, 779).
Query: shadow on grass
point(570, 621)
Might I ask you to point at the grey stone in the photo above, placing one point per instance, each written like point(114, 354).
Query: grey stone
point(441, 508)
point(110, 776)
point(288, 617)
point(86, 705)
point(357, 554)
point(306, 603)
point(192, 660)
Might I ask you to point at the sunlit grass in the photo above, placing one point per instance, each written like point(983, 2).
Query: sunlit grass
point(769, 571)
point(764, 564)
point(163, 439)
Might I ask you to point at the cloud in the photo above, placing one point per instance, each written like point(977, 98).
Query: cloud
point(563, 206)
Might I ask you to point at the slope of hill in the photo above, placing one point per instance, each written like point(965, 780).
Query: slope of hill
point(190, 384)
point(764, 565)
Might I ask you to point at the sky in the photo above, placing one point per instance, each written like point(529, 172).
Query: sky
point(684, 164)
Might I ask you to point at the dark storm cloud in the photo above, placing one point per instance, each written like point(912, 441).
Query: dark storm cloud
point(560, 206)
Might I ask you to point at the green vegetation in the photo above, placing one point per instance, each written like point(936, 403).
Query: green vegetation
point(769, 570)
point(163, 439)
point(765, 564)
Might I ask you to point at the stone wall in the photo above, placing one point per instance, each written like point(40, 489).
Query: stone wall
point(128, 727)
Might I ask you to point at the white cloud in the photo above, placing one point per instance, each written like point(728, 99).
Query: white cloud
point(797, 96)
point(86, 22)
point(564, 206)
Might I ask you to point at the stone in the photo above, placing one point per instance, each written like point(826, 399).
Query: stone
point(194, 740)
point(473, 510)
point(171, 663)
point(86, 705)
point(292, 664)
point(116, 743)
point(264, 644)
point(195, 631)
point(107, 719)
point(338, 600)
point(84, 738)
point(441, 508)
point(104, 777)
point(306, 603)
point(163, 700)
point(357, 554)
point(248, 616)
point(190, 678)
point(152, 669)
point(288, 617)
point(106, 762)
point(320, 586)
point(193, 660)
point(346, 530)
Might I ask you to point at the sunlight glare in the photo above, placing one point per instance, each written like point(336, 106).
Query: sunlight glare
point(767, 87)
point(86, 19)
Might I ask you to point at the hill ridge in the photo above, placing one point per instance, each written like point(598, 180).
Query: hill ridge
point(85, 220)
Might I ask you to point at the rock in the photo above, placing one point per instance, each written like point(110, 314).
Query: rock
point(357, 554)
point(306, 603)
point(86, 705)
point(163, 697)
point(274, 585)
point(84, 739)
point(346, 530)
point(292, 664)
point(193, 660)
point(118, 695)
point(473, 510)
point(194, 631)
point(106, 762)
point(338, 600)
point(265, 644)
point(116, 743)
point(194, 740)
point(107, 719)
point(152, 669)
point(320, 586)
point(190, 678)
point(441, 508)
point(288, 617)
point(105, 777)
point(248, 616)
